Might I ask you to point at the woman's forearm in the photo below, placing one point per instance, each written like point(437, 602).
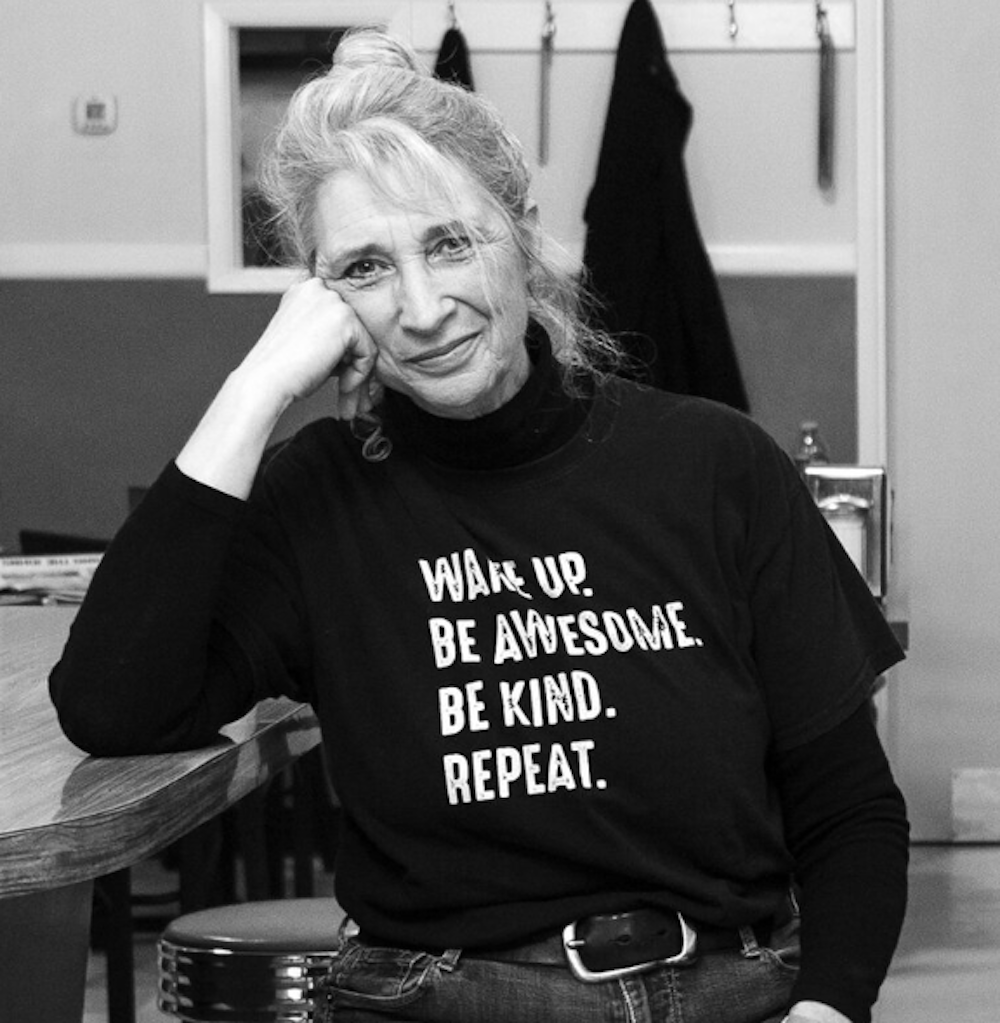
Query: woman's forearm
point(138, 674)
point(226, 447)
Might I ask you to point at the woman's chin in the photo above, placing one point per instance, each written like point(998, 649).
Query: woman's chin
point(463, 396)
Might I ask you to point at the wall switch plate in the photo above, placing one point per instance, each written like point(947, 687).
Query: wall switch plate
point(95, 114)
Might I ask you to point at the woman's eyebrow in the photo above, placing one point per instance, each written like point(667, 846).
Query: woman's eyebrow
point(447, 229)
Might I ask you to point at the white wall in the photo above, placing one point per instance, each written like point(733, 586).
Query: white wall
point(141, 184)
point(139, 193)
point(944, 332)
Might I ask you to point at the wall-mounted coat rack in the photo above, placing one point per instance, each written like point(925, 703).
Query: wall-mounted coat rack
point(594, 25)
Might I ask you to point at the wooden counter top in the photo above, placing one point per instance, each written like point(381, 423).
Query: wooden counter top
point(65, 816)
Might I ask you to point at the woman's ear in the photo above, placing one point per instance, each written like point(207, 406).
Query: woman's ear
point(531, 220)
point(530, 229)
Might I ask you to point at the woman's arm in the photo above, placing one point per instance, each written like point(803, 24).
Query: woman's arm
point(314, 335)
point(145, 669)
point(148, 665)
point(846, 826)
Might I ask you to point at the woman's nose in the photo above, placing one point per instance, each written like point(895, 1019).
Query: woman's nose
point(424, 303)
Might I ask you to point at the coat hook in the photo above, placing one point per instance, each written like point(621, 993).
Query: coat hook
point(734, 28)
point(550, 20)
point(822, 20)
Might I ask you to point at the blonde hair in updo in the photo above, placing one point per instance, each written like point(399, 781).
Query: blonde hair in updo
point(379, 113)
point(375, 103)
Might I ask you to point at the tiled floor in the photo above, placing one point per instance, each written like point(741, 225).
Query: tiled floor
point(95, 1009)
point(947, 968)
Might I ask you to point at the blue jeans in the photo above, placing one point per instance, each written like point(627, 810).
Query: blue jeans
point(743, 985)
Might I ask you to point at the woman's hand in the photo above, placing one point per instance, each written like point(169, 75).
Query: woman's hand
point(313, 336)
point(814, 1012)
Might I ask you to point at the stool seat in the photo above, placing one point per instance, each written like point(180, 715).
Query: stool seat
point(256, 962)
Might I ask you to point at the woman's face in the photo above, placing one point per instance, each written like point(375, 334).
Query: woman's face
point(447, 307)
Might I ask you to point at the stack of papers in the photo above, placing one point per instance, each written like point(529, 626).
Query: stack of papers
point(46, 578)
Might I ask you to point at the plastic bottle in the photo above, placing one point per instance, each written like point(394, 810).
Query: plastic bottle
point(811, 449)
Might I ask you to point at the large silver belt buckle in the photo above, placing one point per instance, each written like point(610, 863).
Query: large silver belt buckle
point(572, 945)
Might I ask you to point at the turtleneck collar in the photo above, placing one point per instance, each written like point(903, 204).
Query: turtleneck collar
point(538, 420)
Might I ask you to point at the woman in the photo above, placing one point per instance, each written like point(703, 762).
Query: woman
point(592, 673)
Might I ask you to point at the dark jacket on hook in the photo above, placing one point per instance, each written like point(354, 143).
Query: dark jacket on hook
point(453, 64)
point(644, 252)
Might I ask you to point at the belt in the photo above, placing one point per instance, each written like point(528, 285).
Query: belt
point(610, 945)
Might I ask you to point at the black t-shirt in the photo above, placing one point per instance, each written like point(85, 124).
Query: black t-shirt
point(551, 689)
point(547, 689)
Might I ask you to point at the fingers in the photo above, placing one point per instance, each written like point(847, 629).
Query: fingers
point(355, 375)
point(354, 372)
point(351, 404)
point(314, 336)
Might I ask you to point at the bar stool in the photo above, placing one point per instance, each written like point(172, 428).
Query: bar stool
point(255, 962)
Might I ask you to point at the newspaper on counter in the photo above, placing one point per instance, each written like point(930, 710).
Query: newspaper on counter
point(46, 578)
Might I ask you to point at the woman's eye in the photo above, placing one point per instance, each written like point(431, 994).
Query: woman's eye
point(364, 271)
point(454, 246)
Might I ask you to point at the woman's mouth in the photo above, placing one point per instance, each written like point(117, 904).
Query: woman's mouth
point(440, 351)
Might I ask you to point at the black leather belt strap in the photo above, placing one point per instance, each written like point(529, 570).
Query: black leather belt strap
point(612, 942)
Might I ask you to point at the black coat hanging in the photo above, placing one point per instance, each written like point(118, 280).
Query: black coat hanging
point(644, 253)
point(453, 64)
